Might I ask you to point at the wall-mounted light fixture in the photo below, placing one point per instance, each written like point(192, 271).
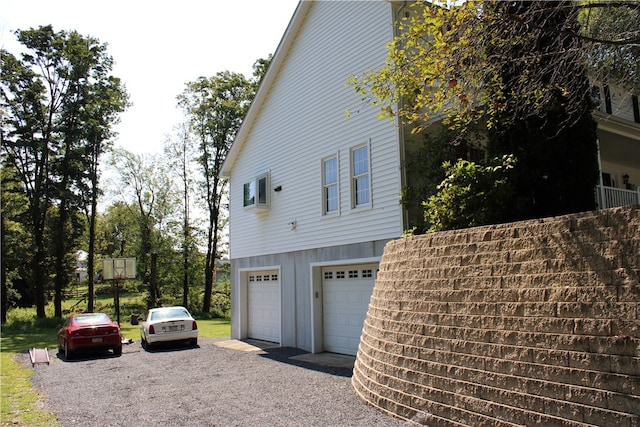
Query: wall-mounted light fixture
point(278, 188)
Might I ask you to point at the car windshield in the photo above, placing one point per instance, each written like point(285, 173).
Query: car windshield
point(170, 313)
point(86, 319)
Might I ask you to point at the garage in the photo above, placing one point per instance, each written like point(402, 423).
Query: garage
point(346, 291)
point(263, 299)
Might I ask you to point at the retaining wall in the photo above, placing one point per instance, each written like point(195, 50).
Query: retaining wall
point(528, 323)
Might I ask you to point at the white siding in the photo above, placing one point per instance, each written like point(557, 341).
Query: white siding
point(303, 120)
point(621, 103)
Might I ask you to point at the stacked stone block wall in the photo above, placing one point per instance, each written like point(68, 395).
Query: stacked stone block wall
point(528, 323)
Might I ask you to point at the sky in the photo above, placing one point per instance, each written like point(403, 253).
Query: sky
point(158, 47)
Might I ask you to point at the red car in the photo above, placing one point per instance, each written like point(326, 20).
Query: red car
point(89, 332)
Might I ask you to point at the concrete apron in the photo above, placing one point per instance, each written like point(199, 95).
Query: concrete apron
point(322, 359)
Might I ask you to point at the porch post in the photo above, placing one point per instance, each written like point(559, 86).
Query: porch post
point(600, 197)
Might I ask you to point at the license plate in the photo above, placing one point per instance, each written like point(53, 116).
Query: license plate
point(96, 339)
point(173, 328)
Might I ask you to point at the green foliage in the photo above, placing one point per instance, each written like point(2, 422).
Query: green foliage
point(215, 108)
point(221, 299)
point(425, 154)
point(59, 102)
point(518, 72)
point(614, 62)
point(470, 195)
point(447, 60)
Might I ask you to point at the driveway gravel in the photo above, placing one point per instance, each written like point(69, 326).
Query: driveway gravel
point(207, 385)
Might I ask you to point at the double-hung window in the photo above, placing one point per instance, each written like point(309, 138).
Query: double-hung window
point(330, 197)
point(360, 177)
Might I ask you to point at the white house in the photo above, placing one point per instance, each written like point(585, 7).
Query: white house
point(618, 117)
point(314, 195)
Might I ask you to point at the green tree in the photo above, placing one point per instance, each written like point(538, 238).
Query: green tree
point(16, 251)
point(613, 32)
point(146, 187)
point(52, 95)
point(447, 61)
point(426, 153)
point(117, 231)
point(556, 148)
point(110, 100)
point(181, 157)
point(215, 108)
point(27, 127)
point(518, 70)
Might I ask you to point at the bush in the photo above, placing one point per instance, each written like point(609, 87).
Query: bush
point(470, 195)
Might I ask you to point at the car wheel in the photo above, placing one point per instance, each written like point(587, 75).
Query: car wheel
point(194, 342)
point(117, 351)
point(67, 352)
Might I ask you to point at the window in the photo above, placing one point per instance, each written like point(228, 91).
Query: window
point(256, 193)
point(607, 99)
point(360, 184)
point(249, 194)
point(330, 199)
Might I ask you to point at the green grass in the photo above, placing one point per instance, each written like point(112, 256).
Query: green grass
point(20, 402)
point(209, 328)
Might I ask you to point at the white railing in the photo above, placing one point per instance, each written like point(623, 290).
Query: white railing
point(609, 197)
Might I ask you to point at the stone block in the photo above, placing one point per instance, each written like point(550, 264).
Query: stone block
point(532, 323)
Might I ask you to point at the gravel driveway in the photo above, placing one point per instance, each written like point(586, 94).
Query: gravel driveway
point(208, 385)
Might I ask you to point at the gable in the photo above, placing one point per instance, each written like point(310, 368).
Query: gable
point(299, 118)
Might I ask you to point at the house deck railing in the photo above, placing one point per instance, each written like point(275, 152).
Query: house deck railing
point(609, 197)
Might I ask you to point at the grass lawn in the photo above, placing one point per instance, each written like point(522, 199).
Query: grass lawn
point(19, 400)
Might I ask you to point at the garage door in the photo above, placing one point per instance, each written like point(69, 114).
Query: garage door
point(346, 292)
point(264, 306)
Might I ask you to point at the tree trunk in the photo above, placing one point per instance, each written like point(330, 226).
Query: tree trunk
point(61, 273)
point(40, 276)
point(92, 226)
point(38, 264)
point(209, 268)
point(3, 274)
point(185, 279)
point(91, 254)
point(186, 240)
point(154, 295)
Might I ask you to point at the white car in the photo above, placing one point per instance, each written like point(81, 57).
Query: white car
point(168, 324)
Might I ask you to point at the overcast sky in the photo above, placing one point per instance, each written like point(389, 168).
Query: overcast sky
point(159, 46)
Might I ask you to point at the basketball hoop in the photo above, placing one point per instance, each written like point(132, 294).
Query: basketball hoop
point(118, 268)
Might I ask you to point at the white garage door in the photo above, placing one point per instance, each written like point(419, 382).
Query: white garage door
point(264, 305)
point(346, 292)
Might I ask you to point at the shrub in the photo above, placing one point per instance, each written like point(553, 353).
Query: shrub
point(470, 195)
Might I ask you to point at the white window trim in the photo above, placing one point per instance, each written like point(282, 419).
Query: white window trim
point(352, 198)
point(267, 192)
point(325, 213)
